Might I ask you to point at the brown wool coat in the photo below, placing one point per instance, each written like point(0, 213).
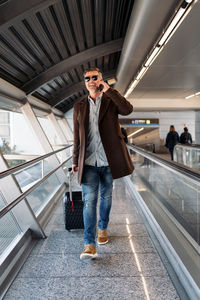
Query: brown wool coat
point(112, 104)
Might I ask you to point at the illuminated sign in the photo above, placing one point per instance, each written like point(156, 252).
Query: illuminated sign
point(139, 121)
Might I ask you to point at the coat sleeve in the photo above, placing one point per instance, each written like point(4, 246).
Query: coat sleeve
point(123, 106)
point(76, 138)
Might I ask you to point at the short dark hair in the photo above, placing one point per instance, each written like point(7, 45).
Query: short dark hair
point(92, 69)
point(185, 129)
point(172, 128)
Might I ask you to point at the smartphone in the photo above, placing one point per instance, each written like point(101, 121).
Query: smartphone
point(100, 88)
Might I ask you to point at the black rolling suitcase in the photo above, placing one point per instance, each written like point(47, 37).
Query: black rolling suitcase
point(73, 207)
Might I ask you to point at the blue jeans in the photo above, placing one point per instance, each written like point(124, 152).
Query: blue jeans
point(171, 150)
point(93, 177)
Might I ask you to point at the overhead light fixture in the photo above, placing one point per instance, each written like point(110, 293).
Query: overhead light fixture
point(188, 97)
point(141, 73)
point(172, 25)
point(111, 81)
point(152, 57)
point(176, 21)
point(135, 132)
point(131, 88)
point(193, 95)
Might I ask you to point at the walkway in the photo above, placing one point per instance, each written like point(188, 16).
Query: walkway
point(128, 267)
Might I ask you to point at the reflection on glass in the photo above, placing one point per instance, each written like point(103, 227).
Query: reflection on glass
point(30, 175)
point(180, 196)
point(42, 194)
point(9, 228)
point(187, 155)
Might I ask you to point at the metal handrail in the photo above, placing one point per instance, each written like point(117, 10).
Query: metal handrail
point(184, 170)
point(10, 206)
point(190, 146)
point(29, 163)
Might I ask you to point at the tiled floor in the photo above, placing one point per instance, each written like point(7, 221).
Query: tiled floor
point(128, 267)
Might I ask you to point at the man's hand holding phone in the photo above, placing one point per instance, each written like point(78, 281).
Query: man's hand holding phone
point(103, 86)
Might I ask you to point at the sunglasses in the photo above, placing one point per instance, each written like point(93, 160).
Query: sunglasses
point(94, 77)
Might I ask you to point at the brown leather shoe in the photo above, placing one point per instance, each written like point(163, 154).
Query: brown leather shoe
point(102, 237)
point(89, 252)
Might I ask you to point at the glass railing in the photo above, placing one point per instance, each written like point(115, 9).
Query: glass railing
point(43, 193)
point(188, 155)
point(38, 182)
point(9, 228)
point(180, 197)
point(172, 194)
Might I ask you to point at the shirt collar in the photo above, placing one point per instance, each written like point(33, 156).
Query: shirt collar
point(98, 99)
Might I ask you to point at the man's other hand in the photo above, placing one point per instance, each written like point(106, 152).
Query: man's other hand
point(74, 168)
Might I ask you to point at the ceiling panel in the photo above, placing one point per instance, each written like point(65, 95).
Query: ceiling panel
point(44, 37)
point(175, 72)
point(42, 51)
point(162, 93)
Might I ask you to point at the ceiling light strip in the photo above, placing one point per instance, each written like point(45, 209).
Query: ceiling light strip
point(152, 57)
point(172, 26)
point(141, 73)
point(164, 39)
point(193, 95)
point(135, 132)
point(131, 88)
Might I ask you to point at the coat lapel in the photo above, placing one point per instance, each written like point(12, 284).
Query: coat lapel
point(104, 106)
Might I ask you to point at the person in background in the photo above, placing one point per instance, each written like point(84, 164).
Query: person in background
point(171, 140)
point(99, 155)
point(185, 137)
point(123, 130)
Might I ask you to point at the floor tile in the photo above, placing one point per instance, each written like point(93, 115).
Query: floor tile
point(127, 230)
point(107, 264)
point(95, 288)
point(119, 218)
point(126, 268)
point(29, 289)
point(58, 243)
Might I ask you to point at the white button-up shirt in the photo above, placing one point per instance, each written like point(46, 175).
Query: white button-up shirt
point(95, 154)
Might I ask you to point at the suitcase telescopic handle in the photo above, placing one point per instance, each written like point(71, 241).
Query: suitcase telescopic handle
point(70, 183)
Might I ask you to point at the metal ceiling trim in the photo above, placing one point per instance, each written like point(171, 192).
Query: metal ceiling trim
point(10, 90)
point(12, 98)
point(67, 93)
point(41, 106)
point(36, 102)
point(9, 103)
point(57, 112)
point(72, 62)
point(13, 10)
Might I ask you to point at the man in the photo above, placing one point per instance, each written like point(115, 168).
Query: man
point(100, 154)
point(185, 137)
